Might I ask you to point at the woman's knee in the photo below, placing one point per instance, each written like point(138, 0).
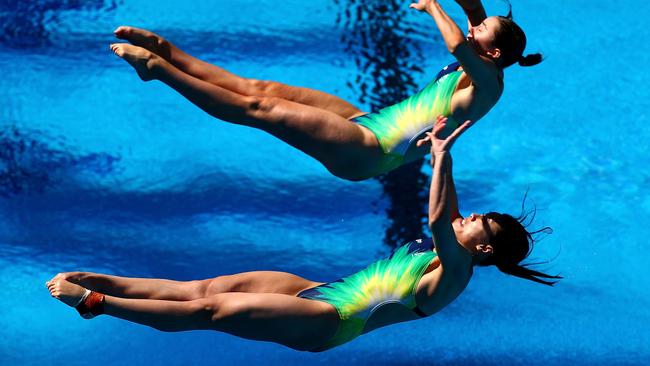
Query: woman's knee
point(200, 313)
point(220, 285)
point(180, 290)
point(263, 88)
point(196, 289)
point(245, 109)
point(263, 108)
point(187, 315)
point(225, 311)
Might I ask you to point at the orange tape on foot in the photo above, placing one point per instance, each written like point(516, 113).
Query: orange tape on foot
point(91, 306)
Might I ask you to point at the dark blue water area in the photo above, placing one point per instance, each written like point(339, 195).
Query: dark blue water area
point(102, 172)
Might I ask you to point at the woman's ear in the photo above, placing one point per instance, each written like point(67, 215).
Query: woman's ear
point(484, 249)
point(495, 53)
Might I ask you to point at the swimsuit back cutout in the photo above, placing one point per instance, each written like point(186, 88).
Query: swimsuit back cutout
point(400, 125)
point(387, 281)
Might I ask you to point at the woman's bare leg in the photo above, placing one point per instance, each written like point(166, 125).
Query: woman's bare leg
point(294, 322)
point(220, 77)
point(136, 288)
point(162, 289)
point(344, 148)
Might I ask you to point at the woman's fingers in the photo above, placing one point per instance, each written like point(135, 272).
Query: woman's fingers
point(458, 131)
point(438, 128)
point(462, 128)
point(438, 143)
point(420, 5)
point(423, 140)
point(441, 123)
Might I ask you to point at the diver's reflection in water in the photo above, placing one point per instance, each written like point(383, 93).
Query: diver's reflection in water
point(387, 58)
point(30, 165)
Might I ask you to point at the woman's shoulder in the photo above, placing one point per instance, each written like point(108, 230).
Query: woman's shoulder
point(440, 287)
point(491, 89)
point(471, 102)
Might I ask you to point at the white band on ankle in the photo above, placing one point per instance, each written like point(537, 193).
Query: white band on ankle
point(84, 297)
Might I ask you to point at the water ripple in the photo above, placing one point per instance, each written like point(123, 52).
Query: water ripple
point(28, 165)
point(27, 24)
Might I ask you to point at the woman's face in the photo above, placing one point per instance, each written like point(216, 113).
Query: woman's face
point(474, 230)
point(482, 36)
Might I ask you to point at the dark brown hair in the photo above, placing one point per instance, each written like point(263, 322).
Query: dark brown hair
point(510, 39)
point(512, 244)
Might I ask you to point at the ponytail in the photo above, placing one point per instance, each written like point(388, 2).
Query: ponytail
point(530, 60)
point(511, 40)
point(522, 272)
point(509, 16)
point(514, 243)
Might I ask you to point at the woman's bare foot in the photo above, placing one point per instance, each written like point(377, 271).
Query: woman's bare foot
point(65, 291)
point(68, 276)
point(145, 39)
point(143, 61)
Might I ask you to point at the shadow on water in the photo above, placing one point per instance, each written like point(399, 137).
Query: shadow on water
point(209, 194)
point(387, 58)
point(24, 24)
point(29, 165)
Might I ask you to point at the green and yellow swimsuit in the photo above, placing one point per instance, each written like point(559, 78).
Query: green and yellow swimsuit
point(387, 281)
point(400, 125)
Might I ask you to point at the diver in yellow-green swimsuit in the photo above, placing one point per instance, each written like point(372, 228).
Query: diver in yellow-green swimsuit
point(418, 280)
point(401, 125)
point(387, 282)
point(322, 125)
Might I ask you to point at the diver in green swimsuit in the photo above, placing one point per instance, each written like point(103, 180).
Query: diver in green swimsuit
point(322, 125)
point(400, 126)
point(418, 280)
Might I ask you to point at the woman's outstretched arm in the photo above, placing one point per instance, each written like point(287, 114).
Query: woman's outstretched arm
point(453, 198)
point(484, 74)
point(451, 33)
point(454, 213)
point(440, 194)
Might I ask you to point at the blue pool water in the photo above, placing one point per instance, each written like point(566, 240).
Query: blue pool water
point(104, 173)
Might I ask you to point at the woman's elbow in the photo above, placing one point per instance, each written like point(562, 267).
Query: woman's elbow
point(455, 42)
point(434, 218)
point(435, 223)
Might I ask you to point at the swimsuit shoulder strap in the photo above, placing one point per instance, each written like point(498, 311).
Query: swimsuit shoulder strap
point(448, 69)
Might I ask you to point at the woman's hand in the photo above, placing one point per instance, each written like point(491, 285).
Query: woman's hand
point(422, 5)
point(442, 145)
point(427, 138)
